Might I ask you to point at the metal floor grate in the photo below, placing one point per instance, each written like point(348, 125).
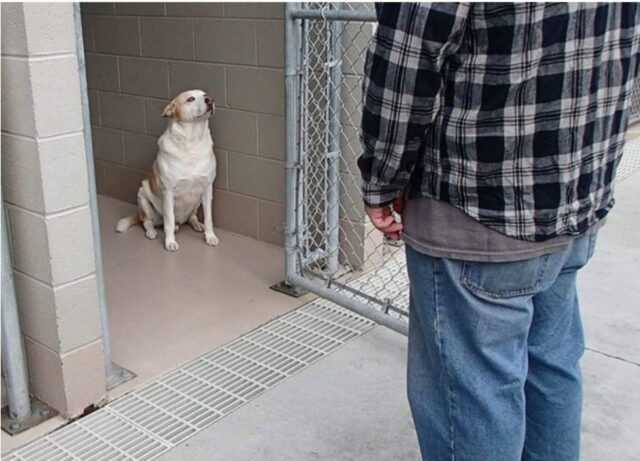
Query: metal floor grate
point(153, 419)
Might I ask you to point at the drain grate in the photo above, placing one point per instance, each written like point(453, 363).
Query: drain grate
point(153, 419)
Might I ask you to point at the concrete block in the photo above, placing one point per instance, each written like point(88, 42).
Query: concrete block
point(222, 170)
point(256, 177)
point(37, 310)
point(236, 213)
point(140, 151)
point(30, 243)
point(140, 8)
point(123, 183)
point(270, 43)
point(271, 134)
point(272, 222)
point(117, 35)
point(156, 123)
point(84, 378)
point(56, 96)
point(45, 374)
point(107, 144)
point(94, 107)
point(105, 8)
point(122, 112)
point(70, 254)
point(21, 176)
point(64, 173)
point(17, 104)
point(224, 41)
point(88, 34)
point(207, 77)
point(102, 72)
point(256, 89)
point(78, 315)
point(144, 77)
point(167, 38)
point(50, 28)
point(254, 10)
point(195, 10)
point(14, 33)
point(235, 130)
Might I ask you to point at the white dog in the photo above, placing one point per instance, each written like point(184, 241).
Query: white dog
point(182, 176)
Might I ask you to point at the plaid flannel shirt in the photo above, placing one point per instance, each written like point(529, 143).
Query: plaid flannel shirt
point(513, 113)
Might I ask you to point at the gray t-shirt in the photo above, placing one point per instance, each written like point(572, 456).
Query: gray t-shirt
point(440, 230)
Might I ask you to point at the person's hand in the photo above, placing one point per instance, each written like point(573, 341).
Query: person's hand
point(382, 218)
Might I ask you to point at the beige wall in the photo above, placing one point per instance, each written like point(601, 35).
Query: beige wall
point(141, 55)
point(44, 180)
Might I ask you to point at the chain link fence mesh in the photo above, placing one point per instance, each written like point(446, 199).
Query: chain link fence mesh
point(331, 222)
point(369, 268)
point(635, 103)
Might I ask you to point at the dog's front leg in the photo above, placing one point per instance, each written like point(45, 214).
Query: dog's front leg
point(209, 235)
point(169, 222)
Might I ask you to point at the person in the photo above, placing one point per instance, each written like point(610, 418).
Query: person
point(494, 130)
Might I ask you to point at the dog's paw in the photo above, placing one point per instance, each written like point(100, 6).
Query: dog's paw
point(151, 234)
point(171, 245)
point(211, 239)
point(197, 226)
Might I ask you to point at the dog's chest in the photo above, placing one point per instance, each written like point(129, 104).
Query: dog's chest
point(193, 187)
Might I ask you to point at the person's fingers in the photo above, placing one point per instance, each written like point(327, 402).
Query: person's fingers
point(383, 220)
point(388, 226)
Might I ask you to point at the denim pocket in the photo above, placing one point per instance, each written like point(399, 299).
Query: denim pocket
point(505, 280)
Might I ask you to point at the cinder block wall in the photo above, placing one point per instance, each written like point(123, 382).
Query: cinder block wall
point(139, 55)
point(44, 181)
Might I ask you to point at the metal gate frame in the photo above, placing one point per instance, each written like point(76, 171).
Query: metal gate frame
point(325, 283)
point(317, 267)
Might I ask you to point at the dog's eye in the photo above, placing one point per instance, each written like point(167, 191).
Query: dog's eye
point(191, 99)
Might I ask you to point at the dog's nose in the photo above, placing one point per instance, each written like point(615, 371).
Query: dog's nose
point(209, 101)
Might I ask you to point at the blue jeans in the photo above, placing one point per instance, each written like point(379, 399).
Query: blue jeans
point(494, 351)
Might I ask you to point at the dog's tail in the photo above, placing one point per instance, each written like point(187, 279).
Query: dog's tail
point(129, 221)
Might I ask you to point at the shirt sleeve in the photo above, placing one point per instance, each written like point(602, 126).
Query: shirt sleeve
point(401, 85)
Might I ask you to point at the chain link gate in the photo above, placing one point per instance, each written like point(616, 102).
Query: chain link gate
point(332, 249)
point(634, 117)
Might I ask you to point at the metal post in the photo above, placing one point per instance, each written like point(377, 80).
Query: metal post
point(22, 413)
point(291, 82)
point(333, 145)
point(13, 363)
point(115, 374)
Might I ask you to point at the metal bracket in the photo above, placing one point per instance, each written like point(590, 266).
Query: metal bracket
point(40, 412)
point(284, 287)
point(119, 376)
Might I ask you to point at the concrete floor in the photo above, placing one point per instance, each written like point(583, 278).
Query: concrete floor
point(352, 406)
point(167, 308)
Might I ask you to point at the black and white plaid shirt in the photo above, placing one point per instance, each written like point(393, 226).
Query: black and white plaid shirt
point(513, 113)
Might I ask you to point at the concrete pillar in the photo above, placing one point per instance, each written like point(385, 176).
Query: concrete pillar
point(44, 179)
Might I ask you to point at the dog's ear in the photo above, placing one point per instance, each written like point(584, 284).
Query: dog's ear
point(170, 110)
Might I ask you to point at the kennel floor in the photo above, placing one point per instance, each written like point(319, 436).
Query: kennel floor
point(166, 308)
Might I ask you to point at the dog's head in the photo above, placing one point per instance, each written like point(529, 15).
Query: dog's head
point(190, 106)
